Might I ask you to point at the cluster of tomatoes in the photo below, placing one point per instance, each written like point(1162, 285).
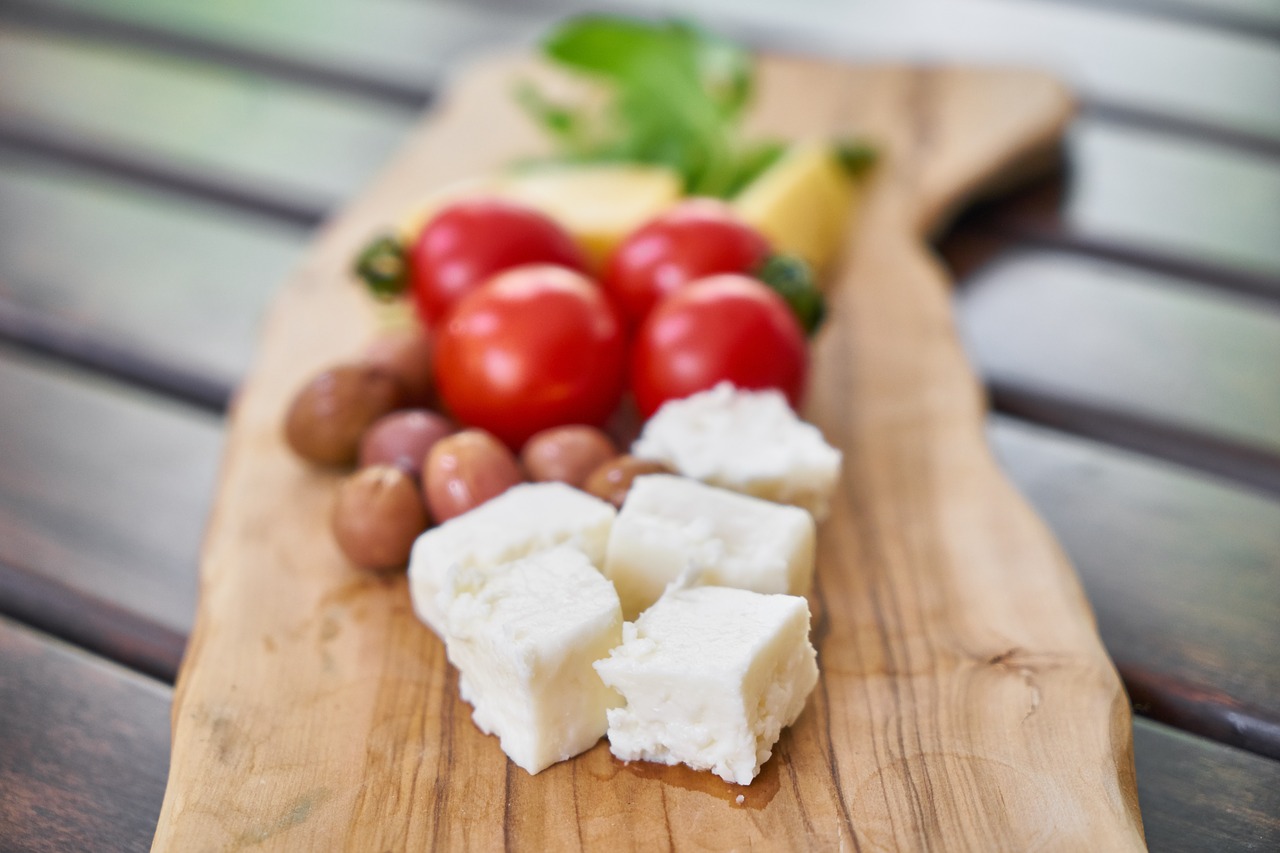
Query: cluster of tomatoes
point(526, 339)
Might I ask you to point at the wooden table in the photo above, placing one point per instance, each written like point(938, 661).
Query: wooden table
point(162, 165)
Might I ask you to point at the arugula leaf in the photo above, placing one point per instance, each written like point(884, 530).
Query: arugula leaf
point(678, 93)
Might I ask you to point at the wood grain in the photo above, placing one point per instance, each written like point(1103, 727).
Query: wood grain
point(965, 694)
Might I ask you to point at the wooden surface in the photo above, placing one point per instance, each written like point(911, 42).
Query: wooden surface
point(959, 657)
point(142, 255)
point(82, 749)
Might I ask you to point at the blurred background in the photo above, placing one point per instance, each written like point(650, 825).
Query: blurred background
point(164, 164)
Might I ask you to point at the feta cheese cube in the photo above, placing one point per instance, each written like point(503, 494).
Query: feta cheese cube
point(524, 637)
point(710, 677)
point(671, 527)
point(747, 441)
point(523, 520)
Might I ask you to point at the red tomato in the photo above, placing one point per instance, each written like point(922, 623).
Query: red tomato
point(726, 327)
point(534, 347)
point(693, 240)
point(470, 240)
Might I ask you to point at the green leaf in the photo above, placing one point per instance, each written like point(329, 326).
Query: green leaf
point(793, 280)
point(677, 93)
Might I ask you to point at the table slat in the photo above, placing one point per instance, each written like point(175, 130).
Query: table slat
point(1181, 572)
point(1256, 18)
point(276, 139)
point(103, 489)
point(180, 282)
point(1103, 337)
point(1197, 795)
point(84, 749)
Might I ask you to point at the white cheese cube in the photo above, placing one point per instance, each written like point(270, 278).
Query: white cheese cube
point(672, 527)
point(710, 676)
point(521, 521)
point(747, 441)
point(524, 637)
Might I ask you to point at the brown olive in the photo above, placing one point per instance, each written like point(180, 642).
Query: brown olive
point(612, 480)
point(406, 355)
point(464, 470)
point(378, 516)
point(403, 439)
point(332, 411)
point(566, 454)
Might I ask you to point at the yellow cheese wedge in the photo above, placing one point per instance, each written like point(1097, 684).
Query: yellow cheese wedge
point(802, 203)
point(598, 205)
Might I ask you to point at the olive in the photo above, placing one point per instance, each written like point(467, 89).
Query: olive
point(464, 470)
point(406, 355)
point(567, 454)
point(330, 414)
point(612, 480)
point(377, 517)
point(403, 439)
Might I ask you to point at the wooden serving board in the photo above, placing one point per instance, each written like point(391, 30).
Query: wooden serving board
point(965, 702)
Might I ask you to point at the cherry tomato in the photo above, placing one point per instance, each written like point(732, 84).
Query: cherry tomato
point(534, 347)
point(470, 240)
point(725, 327)
point(693, 240)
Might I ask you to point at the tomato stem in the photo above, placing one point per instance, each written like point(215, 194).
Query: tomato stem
point(856, 156)
point(792, 279)
point(382, 266)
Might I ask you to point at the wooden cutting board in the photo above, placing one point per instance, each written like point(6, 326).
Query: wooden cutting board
point(965, 702)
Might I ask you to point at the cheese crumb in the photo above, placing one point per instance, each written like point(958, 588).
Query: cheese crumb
point(710, 677)
point(747, 441)
point(524, 637)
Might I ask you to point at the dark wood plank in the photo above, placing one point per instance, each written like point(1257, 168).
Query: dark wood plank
point(171, 282)
point(41, 601)
point(104, 490)
point(1199, 796)
point(263, 136)
point(1183, 574)
point(84, 749)
point(1096, 337)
